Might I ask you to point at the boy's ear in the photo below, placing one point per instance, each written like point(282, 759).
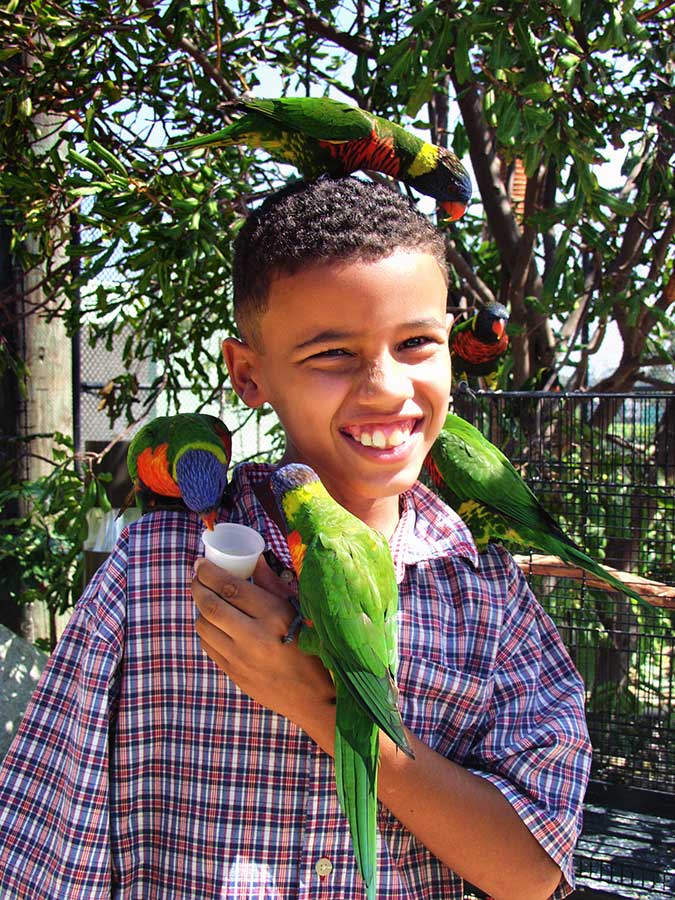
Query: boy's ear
point(242, 364)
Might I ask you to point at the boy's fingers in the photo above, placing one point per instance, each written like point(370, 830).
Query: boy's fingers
point(270, 581)
point(214, 577)
point(233, 605)
point(222, 604)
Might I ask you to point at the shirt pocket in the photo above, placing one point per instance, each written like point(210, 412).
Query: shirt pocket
point(446, 708)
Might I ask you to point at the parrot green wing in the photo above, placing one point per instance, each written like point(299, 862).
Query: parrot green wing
point(145, 437)
point(476, 471)
point(348, 591)
point(320, 118)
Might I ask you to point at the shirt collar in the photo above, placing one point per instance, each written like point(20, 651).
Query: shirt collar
point(427, 528)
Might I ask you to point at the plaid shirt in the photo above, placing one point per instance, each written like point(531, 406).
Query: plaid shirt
point(140, 771)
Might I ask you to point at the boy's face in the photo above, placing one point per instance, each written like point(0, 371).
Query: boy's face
point(355, 363)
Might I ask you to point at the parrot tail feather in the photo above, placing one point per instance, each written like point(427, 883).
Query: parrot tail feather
point(576, 557)
point(356, 760)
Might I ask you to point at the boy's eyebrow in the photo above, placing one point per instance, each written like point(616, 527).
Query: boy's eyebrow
point(331, 335)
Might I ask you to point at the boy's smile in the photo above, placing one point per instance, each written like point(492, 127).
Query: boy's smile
point(355, 362)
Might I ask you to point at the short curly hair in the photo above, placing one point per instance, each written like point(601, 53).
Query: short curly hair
point(310, 223)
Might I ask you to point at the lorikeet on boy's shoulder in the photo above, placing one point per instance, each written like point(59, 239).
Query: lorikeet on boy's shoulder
point(348, 599)
point(485, 489)
point(321, 136)
point(181, 461)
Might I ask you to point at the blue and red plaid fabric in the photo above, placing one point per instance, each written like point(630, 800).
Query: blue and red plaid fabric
point(140, 771)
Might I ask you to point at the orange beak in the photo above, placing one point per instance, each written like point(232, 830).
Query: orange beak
point(498, 326)
point(209, 518)
point(455, 209)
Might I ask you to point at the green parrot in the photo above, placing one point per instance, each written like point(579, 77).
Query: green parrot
point(348, 599)
point(322, 136)
point(484, 488)
point(181, 461)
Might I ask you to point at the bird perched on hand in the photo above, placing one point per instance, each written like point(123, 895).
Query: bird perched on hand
point(478, 344)
point(181, 461)
point(485, 489)
point(348, 600)
point(321, 136)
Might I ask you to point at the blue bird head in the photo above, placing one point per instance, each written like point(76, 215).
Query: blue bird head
point(202, 479)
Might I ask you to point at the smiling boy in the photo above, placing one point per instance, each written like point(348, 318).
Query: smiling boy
point(142, 771)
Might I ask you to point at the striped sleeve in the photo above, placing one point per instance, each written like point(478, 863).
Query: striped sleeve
point(535, 748)
point(54, 779)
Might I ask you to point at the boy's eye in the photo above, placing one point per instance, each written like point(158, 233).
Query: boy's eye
point(333, 353)
point(419, 341)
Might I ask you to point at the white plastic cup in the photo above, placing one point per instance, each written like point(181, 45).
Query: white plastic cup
point(233, 547)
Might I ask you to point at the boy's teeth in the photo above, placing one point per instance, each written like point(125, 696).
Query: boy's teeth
point(379, 439)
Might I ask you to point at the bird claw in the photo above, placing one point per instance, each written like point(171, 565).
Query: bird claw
point(463, 388)
point(296, 624)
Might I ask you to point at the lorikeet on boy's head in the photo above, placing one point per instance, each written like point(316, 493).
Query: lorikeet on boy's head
point(485, 489)
point(478, 344)
point(181, 461)
point(348, 599)
point(321, 136)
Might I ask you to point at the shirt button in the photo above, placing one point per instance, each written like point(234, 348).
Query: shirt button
point(323, 867)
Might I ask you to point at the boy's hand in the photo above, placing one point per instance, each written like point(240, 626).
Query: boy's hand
point(241, 627)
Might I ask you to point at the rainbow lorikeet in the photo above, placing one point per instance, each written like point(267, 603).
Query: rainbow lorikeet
point(322, 136)
point(181, 461)
point(485, 489)
point(478, 344)
point(348, 599)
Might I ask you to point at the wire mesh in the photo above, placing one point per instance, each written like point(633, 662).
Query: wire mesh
point(604, 466)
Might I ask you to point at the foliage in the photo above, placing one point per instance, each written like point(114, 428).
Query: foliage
point(130, 240)
point(41, 548)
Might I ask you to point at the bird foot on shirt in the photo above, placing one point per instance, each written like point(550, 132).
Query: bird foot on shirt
point(297, 622)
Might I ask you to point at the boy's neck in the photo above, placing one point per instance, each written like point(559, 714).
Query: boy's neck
point(381, 514)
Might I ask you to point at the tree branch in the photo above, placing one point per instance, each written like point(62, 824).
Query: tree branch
point(206, 66)
point(464, 270)
point(486, 167)
point(354, 43)
point(654, 592)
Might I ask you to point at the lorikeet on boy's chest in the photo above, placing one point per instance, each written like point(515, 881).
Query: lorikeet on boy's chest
point(321, 136)
point(181, 461)
point(348, 600)
point(485, 489)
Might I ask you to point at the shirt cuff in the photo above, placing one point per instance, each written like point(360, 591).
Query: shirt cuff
point(557, 836)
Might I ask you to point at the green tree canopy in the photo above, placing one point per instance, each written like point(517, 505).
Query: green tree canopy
point(94, 89)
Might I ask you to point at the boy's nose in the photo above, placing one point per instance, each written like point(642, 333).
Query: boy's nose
point(386, 378)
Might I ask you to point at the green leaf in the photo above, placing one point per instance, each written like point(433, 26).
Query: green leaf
point(438, 52)
point(85, 162)
point(461, 57)
point(571, 8)
point(110, 158)
point(421, 94)
point(538, 90)
point(559, 264)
